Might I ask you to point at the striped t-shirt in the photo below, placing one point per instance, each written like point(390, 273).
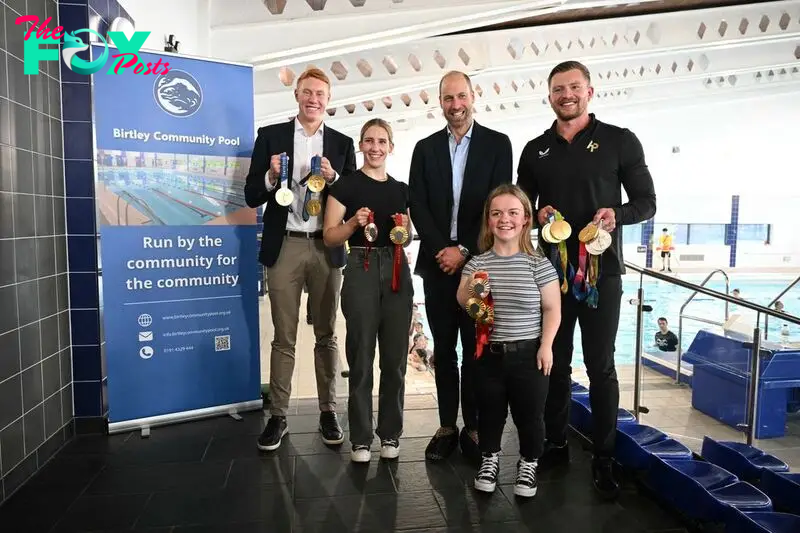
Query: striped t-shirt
point(514, 282)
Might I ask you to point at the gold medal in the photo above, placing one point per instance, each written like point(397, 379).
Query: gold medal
point(588, 233)
point(399, 235)
point(476, 308)
point(600, 244)
point(313, 207)
point(488, 317)
point(546, 234)
point(371, 232)
point(316, 183)
point(560, 230)
point(284, 196)
point(479, 288)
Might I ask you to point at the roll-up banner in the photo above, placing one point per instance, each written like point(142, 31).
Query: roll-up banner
point(179, 288)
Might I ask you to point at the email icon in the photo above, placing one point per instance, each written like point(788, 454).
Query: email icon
point(145, 336)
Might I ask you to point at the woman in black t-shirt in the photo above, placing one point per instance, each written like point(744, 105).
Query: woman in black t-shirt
point(369, 210)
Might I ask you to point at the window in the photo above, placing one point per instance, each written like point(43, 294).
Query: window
point(753, 232)
point(706, 234)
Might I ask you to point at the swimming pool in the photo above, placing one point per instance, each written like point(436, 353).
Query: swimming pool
point(667, 299)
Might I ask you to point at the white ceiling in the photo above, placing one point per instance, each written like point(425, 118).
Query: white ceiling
point(385, 57)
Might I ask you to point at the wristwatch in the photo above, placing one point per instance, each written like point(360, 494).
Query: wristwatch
point(463, 250)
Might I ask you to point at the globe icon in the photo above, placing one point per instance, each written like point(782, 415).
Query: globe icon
point(145, 320)
point(178, 93)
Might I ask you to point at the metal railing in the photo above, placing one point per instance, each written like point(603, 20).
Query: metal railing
point(778, 297)
point(681, 316)
point(752, 397)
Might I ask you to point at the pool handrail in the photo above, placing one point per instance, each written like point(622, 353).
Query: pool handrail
point(778, 297)
point(681, 316)
point(752, 397)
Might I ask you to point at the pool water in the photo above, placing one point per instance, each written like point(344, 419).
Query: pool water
point(666, 300)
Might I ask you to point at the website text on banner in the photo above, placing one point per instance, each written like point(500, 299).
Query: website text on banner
point(178, 242)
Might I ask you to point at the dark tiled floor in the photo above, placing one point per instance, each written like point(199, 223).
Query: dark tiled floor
point(208, 476)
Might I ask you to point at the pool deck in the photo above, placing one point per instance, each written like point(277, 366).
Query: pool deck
point(670, 405)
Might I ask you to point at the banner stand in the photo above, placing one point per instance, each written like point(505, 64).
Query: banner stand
point(145, 424)
point(178, 243)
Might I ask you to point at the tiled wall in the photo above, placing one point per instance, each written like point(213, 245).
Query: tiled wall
point(50, 313)
point(35, 366)
point(88, 346)
point(732, 237)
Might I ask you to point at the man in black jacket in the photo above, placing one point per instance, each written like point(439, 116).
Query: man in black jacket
point(294, 253)
point(452, 173)
point(579, 167)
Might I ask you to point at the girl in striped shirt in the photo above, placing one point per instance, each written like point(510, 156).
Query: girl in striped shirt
point(514, 366)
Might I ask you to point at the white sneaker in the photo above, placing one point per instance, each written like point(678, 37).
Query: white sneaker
point(390, 449)
point(486, 479)
point(360, 454)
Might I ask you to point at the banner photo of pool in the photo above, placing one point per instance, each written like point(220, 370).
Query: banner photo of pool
point(178, 243)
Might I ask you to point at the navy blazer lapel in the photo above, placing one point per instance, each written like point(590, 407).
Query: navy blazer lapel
point(328, 144)
point(442, 149)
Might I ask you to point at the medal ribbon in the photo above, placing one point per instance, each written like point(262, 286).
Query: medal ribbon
point(398, 257)
point(566, 268)
point(370, 220)
point(483, 330)
point(580, 288)
point(593, 295)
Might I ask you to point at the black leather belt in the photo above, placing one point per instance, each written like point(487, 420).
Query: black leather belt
point(513, 346)
point(304, 234)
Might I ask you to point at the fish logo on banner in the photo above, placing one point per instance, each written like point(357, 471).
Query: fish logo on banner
point(178, 93)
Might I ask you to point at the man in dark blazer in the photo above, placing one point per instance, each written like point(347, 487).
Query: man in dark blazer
point(452, 173)
point(294, 253)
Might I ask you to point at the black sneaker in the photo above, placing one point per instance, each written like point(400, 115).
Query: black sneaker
point(525, 485)
point(605, 482)
point(470, 449)
point(330, 428)
point(486, 479)
point(270, 438)
point(442, 445)
point(554, 455)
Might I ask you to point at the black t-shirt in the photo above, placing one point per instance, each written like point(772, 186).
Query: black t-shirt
point(666, 342)
point(580, 177)
point(385, 198)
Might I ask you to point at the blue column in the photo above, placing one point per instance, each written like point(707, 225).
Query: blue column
point(733, 229)
point(86, 307)
point(648, 228)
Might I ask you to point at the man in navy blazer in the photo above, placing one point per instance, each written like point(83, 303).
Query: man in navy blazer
point(294, 253)
point(452, 173)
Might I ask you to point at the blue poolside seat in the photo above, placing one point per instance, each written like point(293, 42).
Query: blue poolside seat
point(637, 444)
point(784, 490)
point(579, 389)
point(581, 414)
point(764, 523)
point(742, 459)
point(721, 378)
point(704, 491)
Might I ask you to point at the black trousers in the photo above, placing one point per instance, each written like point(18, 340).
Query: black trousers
point(598, 334)
point(509, 378)
point(376, 315)
point(447, 319)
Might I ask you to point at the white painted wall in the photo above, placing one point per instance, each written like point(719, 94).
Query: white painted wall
point(186, 19)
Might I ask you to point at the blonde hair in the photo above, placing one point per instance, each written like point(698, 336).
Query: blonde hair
point(315, 73)
point(379, 122)
point(486, 237)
